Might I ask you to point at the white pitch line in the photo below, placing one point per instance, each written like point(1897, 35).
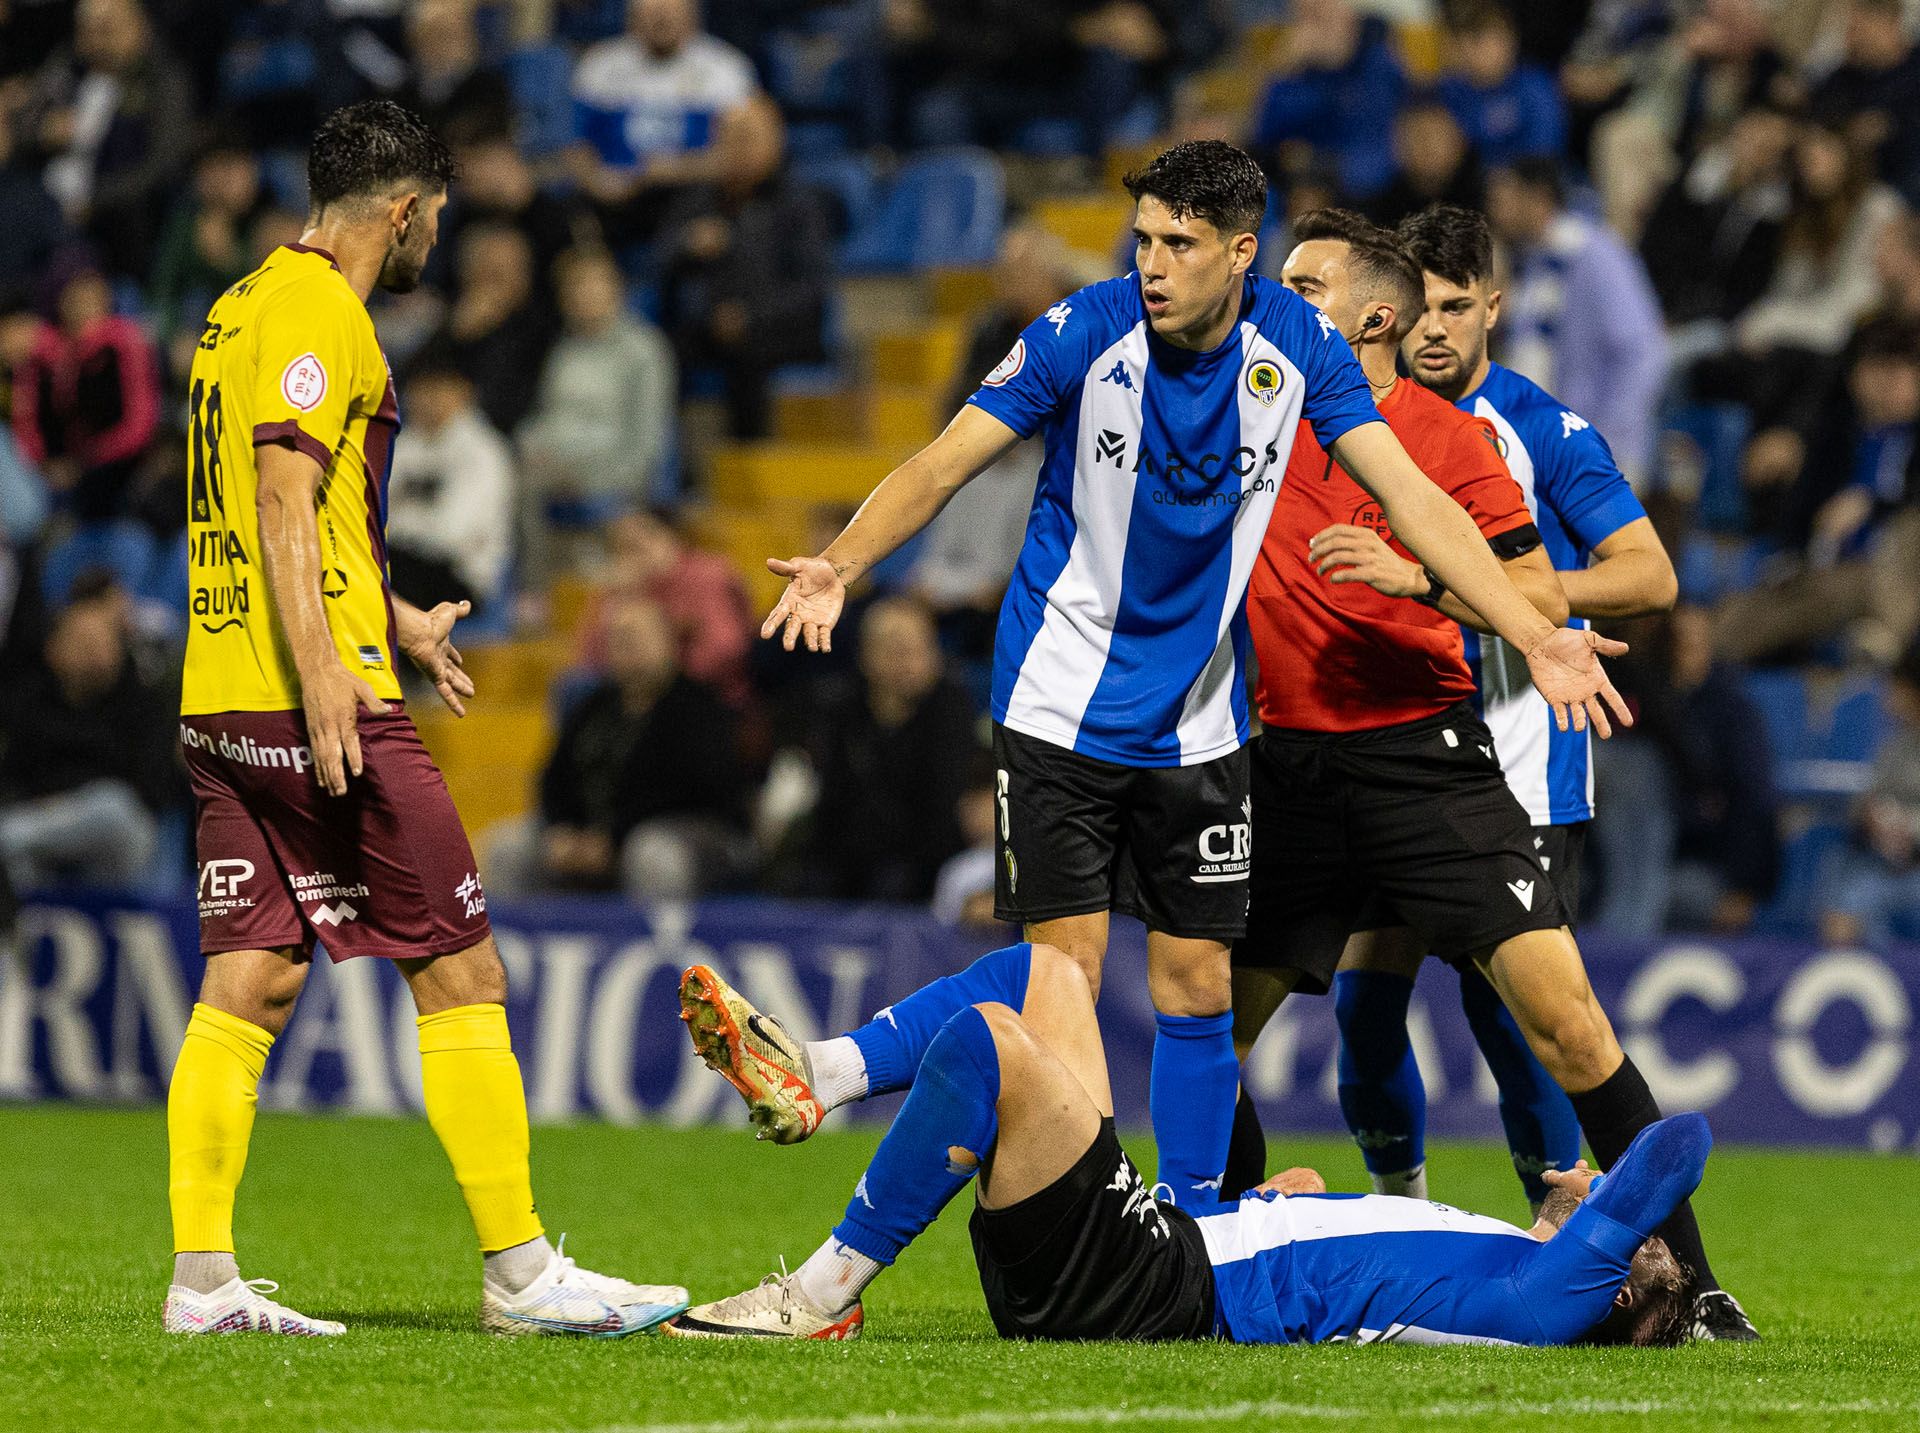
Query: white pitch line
point(1110, 1417)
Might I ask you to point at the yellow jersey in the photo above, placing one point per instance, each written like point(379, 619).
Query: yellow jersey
point(288, 355)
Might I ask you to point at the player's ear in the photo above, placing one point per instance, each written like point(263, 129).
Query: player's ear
point(1493, 309)
point(1241, 251)
point(403, 212)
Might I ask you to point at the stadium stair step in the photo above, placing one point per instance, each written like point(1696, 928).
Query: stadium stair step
point(491, 757)
point(746, 475)
point(927, 355)
point(1096, 223)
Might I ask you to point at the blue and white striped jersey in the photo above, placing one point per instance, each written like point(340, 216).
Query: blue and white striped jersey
point(1124, 631)
point(1578, 499)
point(1363, 1268)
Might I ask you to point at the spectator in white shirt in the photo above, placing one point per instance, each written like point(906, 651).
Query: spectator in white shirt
point(657, 109)
point(450, 499)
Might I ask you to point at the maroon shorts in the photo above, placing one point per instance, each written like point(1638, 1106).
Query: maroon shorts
point(384, 870)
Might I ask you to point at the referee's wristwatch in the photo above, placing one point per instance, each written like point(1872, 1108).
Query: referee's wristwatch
point(1436, 589)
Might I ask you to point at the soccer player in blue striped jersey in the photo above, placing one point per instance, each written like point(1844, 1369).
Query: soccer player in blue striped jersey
point(1612, 565)
point(1168, 400)
point(1071, 1244)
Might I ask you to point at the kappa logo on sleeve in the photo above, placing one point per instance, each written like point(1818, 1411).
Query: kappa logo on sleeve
point(1008, 367)
point(304, 383)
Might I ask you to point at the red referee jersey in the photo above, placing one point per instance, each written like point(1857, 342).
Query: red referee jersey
point(1347, 658)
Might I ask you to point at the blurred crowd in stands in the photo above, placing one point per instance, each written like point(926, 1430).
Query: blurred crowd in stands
point(1710, 217)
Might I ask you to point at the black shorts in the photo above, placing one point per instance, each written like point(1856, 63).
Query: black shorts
point(1407, 825)
point(1094, 1256)
point(1169, 844)
point(1561, 850)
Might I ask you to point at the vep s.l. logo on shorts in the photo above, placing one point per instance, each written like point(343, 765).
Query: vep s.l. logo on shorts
point(304, 383)
point(220, 883)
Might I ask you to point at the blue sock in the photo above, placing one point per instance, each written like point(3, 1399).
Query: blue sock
point(894, 1042)
point(913, 1175)
point(1190, 1095)
point(1381, 1092)
point(1542, 1130)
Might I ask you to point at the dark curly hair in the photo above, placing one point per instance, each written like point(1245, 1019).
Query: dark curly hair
point(1452, 242)
point(1206, 179)
point(371, 150)
point(1382, 269)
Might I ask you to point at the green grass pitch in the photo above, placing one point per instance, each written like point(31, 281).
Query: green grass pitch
point(359, 1220)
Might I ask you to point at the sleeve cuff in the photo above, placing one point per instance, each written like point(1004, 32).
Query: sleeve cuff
point(996, 406)
point(1331, 428)
point(1601, 522)
point(289, 432)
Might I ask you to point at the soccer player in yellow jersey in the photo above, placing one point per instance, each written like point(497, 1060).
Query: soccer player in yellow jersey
point(319, 813)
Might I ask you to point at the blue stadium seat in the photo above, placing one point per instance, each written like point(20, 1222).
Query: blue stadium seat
point(1805, 864)
point(848, 182)
point(541, 78)
point(1719, 433)
point(1823, 741)
point(123, 547)
point(945, 207)
point(1711, 567)
point(816, 70)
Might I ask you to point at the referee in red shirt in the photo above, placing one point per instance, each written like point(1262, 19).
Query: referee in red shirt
point(1378, 799)
point(1377, 795)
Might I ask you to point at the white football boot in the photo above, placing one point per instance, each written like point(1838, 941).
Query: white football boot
point(240, 1306)
point(567, 1299)
point(773, 1308)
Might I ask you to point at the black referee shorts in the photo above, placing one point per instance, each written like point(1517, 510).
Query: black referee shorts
point(1406, 825)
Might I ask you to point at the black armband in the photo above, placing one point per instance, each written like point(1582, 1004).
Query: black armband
point(1515, 542)
point(1436, 590)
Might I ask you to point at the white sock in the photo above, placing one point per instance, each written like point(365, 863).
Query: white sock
point(203, 1272)
point(834, 1276)
point(837, 1070)
point(513, 1269)
point(1408, 1183)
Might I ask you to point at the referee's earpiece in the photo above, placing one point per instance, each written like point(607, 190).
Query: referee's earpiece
point(1371, 322)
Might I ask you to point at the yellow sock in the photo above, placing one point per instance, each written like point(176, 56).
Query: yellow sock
point(478, 1108)
point(210, 1104)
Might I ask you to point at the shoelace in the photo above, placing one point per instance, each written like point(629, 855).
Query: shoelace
point(745, 1301)
point(263, 1287)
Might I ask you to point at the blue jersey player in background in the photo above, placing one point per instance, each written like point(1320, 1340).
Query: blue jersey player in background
point(1612, 565)
point(1007, 1079)
point(1168, 401)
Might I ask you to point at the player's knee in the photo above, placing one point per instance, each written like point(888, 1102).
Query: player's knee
point(1052, 970)
point(1083, 957)
point(1192, 985)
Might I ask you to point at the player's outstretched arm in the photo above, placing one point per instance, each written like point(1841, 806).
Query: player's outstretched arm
point(1442, 534)
point(1631, 575)
point(907, 499)
point(427, 638)
point(290, 555)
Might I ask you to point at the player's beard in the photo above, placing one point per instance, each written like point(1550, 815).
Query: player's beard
point(400, 272)
point(1449, 381)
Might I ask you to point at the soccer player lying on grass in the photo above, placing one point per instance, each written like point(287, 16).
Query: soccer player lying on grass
point(1071, 1244)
